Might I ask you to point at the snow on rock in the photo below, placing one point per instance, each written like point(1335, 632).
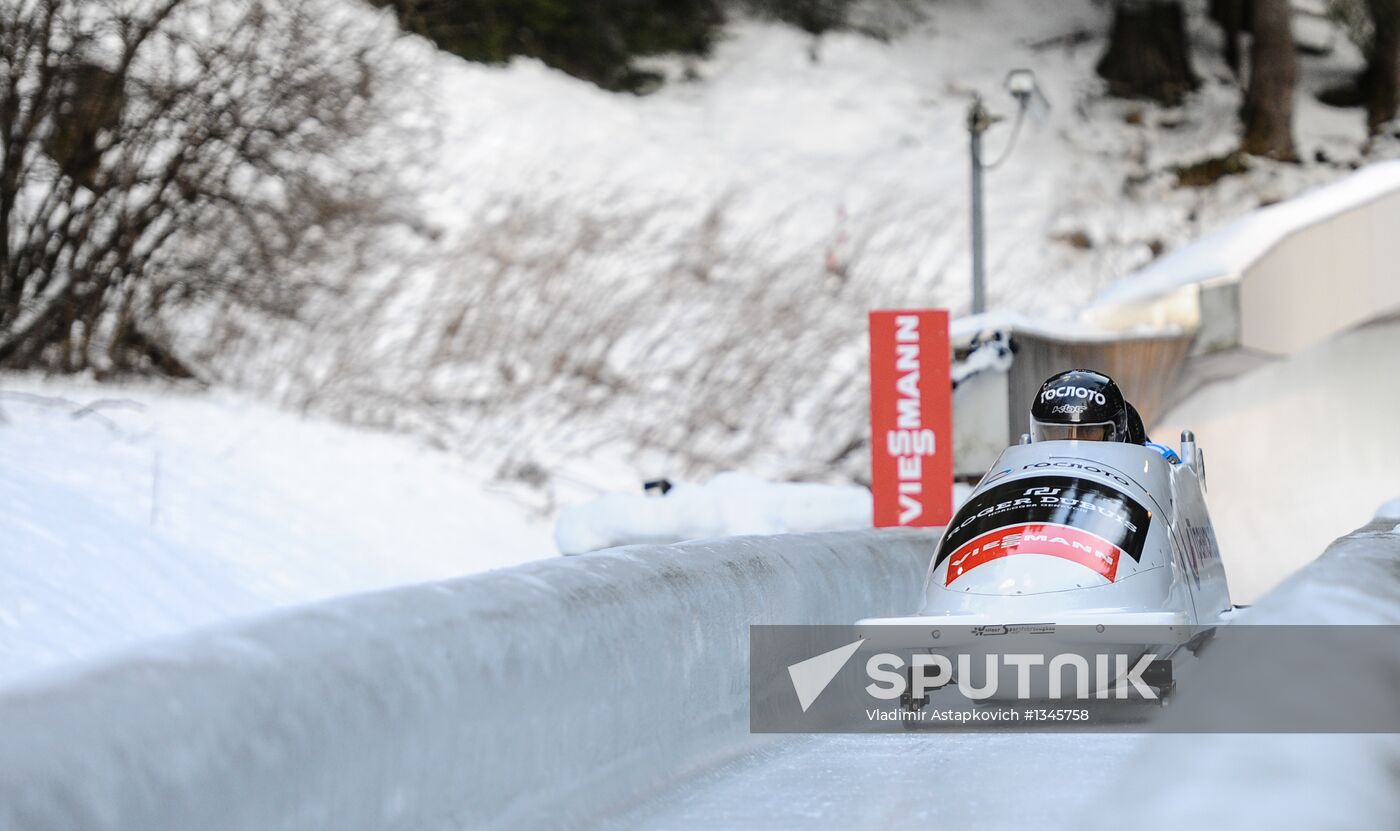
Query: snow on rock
point(993, 355)
point(1390, 510)
point(1296, 452)
point(153, 512)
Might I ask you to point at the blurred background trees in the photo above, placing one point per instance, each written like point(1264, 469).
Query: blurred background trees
point(1148, 56)
point(1273, 72)
point(1381, 80)
point(595, 41)
point(1374, 26)
point(600, 41)
point(1148, 53)
point(1147, 50)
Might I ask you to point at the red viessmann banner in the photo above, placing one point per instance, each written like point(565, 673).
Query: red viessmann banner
point(911, 418)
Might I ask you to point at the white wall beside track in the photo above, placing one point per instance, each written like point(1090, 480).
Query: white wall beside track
point(543, 695)
point(1298, 452)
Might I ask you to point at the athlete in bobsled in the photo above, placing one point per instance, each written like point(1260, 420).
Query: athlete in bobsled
point(1085, 529)
point(1084, 405)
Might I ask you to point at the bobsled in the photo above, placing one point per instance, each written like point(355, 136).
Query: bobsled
point(1077, 545)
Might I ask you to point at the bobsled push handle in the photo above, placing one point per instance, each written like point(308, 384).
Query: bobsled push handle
point(1191, 455)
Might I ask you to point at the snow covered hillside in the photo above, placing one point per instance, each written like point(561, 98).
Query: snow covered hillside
point(600, 289)
point(128, 513)
point(677, 283)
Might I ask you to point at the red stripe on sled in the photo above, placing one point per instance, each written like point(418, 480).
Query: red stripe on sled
point(1089, 550)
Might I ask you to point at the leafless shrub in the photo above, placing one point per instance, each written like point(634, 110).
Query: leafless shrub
point(668, 339)
point(160, 156)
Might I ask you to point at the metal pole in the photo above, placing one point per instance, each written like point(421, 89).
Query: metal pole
point(978, 119)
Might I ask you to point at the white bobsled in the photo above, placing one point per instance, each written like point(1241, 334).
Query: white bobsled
point(1095, 544)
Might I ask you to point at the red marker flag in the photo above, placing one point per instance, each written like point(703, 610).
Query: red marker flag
point(911, 418)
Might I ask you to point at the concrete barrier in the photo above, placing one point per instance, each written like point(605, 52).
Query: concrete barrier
point(543, 695)
point(1275, 781)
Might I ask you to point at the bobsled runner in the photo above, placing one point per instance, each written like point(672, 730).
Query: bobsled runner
point(1072, 545)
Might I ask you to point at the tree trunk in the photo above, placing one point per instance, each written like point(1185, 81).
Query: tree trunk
point(1148, 55)
point(1383, 73)
point(1273, 69)
point(1233, 19)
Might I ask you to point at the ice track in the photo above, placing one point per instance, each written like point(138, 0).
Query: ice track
point(955, 780)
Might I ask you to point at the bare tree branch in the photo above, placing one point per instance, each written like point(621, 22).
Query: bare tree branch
point(161, 152)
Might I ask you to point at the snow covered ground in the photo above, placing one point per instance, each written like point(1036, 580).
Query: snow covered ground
point(1298, 452)
point(728, 504)
point(131, 513)
point(854, 148)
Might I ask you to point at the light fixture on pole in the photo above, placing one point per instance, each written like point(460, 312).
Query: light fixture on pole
point(1029, 100)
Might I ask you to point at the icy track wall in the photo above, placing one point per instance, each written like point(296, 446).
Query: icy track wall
point(1287, 781)
point(545, 694)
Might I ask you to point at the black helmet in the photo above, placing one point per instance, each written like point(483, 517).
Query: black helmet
point(1080, 404)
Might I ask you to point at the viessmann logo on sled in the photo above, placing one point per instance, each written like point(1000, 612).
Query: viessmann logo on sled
point(1089, 550)
point(1074, 519)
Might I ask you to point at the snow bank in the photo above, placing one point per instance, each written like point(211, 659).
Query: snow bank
point(1297, 452)
point(1390, 510)
point(152, 512)
point(467, 704)
point(728, 505)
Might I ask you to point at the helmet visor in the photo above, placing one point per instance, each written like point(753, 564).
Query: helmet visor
point(1098, 431)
